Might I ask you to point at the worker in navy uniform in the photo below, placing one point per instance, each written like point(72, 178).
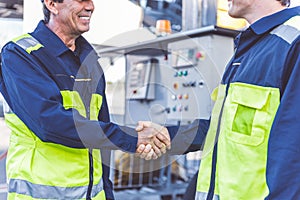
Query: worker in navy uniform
point(58, 115)
point(251, 142)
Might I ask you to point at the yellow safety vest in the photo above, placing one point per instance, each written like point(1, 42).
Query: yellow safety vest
point(248, 114)
point(44, 170)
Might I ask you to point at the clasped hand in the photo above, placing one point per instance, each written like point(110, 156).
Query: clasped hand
point(153, 140)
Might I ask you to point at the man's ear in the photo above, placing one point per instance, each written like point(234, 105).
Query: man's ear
point(52, 6)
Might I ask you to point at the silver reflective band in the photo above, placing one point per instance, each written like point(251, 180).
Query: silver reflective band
point(28, 43)
point(203, 196)
point(288, 31)
point(51, 192)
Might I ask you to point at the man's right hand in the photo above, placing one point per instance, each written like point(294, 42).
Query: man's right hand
point(153, 140)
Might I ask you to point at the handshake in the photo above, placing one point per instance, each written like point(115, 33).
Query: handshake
point(153, 140)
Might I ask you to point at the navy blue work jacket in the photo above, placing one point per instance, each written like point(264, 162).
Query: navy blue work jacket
point(33, 93)
point(270, 60)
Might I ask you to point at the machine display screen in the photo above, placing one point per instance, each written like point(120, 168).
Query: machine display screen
point(183, 57)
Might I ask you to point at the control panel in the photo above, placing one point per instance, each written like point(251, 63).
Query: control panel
point(180, 82)
point(190, 95)
point(139, 76)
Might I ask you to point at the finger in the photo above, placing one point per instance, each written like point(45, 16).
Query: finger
point(140, 148)
point(149, 155)
point(164, 140)
point(146, 151)
point(146, 135)
point(162, 130)
point(158, 144)
point(157, 151)
point(162, 147)
point(154, 156)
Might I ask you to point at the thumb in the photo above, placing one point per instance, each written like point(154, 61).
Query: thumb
point(139, 126)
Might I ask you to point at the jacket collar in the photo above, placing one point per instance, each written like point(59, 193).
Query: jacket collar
point(267, 23)
point(54, 43)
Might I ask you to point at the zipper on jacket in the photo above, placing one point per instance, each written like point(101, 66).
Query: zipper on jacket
point(91, 175)
point(212, 184)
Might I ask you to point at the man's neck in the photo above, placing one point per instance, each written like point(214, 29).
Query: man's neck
point(67, 39)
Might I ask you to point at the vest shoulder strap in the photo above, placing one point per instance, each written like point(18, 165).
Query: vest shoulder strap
point(33, 47)
point(28, 43)
point(289, 31)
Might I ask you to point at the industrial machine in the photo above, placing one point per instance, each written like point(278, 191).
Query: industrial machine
point(168, 81)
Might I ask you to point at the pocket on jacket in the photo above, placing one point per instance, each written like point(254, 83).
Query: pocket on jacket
point(250, 113)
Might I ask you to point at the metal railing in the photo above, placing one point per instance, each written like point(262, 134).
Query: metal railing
point(166, 176)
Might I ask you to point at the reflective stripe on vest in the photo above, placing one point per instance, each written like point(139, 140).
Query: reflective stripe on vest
point(28, 43)
point(51, 192)
point(72, 99)
point(43, 170)
point(248, 114)
point(289, 31)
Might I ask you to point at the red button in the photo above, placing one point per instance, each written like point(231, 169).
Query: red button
point(199, 55)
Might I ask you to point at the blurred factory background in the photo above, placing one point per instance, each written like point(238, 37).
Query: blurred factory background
point(162, 76)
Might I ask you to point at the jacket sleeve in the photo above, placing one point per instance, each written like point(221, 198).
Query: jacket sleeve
point(188, 138)
point(36, 100)
point(283, 164)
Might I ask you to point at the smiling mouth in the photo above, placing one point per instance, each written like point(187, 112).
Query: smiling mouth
point(85, 17)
